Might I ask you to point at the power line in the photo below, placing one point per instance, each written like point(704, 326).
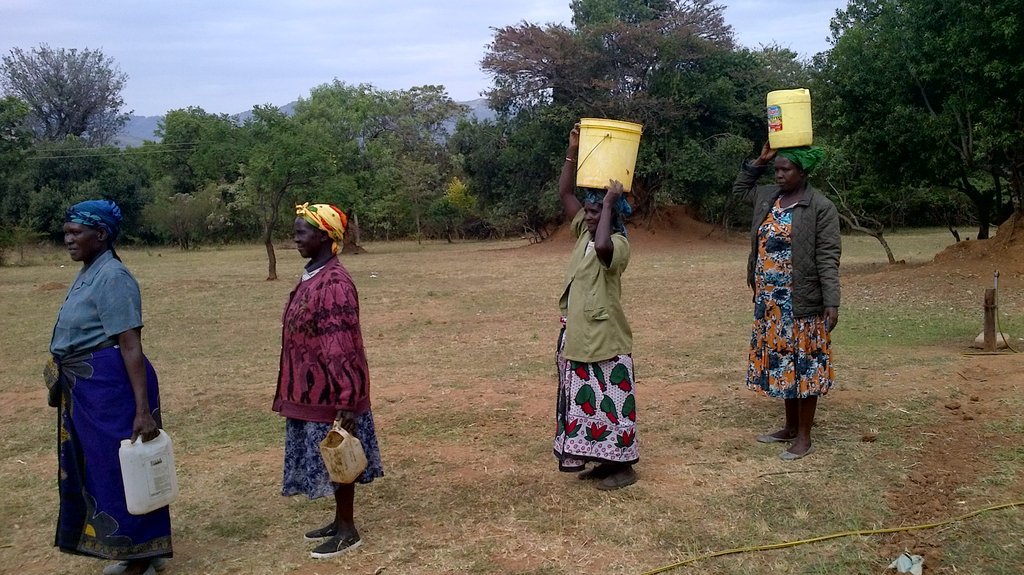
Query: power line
point(110, 154)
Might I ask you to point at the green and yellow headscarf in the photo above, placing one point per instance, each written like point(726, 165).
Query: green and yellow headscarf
point(327, 218)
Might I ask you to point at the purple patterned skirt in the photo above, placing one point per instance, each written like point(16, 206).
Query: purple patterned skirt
point(304, 469)
point(97, 411)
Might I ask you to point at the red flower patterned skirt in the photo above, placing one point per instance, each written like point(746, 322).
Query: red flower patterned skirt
point(595, 411)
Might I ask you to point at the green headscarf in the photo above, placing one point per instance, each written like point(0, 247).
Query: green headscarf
point(805, 157)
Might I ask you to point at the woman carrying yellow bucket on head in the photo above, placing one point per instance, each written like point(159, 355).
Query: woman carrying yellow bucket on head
point(596, 405)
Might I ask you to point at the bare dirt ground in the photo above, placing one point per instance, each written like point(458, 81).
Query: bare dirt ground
point(955, 447)
point(918, 430)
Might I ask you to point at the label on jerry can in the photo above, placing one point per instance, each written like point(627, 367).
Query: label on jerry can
point(774, 118)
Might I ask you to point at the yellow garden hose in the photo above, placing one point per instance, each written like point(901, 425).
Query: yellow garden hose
point(827, 537)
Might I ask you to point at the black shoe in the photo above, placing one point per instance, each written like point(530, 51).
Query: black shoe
point(336, 546)
point(325, 532)
point(600, 471)
point(622, 477)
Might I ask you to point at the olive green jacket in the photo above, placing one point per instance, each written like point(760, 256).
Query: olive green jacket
point(595, 325)
point(817, 245)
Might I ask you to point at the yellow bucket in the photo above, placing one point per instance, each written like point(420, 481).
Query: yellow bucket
point(608, 151)
point(789, 118)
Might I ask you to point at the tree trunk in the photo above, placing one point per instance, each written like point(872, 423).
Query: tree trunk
point(268, 240)
point(982, 203)
point(1017, 188)
point(268, 226)
point(268, 233)
point(984, 219)
point(877, 234)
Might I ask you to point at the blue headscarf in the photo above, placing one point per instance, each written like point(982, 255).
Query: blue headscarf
point(622, 208)
point(98, 214)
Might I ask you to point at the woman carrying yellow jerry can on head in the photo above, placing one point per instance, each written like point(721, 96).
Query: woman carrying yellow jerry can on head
point(793, 270)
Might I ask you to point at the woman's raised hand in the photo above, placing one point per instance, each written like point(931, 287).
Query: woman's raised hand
point(767, 155)
point(615, 191)
point(574, 138)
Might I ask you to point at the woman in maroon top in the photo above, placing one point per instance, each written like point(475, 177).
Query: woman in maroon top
point(323, 376)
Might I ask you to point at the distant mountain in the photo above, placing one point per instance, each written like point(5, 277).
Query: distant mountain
point(143, 128)
point(479, 110)
point(137, 130)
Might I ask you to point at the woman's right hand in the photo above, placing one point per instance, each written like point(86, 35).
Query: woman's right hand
point(615, 191)
point(144, 426)
point(767, 155)
point(574, 140)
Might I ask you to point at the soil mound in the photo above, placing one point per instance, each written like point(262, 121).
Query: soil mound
point(667, 225)
point(1004, 251)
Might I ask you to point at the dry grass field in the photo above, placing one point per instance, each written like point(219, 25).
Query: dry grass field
point(460, 340)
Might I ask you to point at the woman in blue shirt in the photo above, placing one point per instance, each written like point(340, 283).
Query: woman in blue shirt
point(105, 391)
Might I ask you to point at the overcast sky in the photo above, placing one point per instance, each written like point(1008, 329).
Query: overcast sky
point(226, 57)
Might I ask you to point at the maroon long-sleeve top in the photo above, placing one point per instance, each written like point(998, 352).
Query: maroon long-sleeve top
point(323, 363)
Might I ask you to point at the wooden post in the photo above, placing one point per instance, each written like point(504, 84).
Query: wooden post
point(990, 319)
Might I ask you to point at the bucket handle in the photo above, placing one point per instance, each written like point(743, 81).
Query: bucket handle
point(607, 136)
point(341, 430)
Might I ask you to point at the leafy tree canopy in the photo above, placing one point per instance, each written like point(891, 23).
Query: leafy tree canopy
point(930, 92)
point(69, 92)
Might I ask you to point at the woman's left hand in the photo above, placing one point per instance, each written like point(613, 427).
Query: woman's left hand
point(615, 191)
point(831, 318)
point(145, 427)
point(346, 420)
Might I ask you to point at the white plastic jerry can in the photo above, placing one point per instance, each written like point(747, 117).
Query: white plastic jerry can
point(147, 469)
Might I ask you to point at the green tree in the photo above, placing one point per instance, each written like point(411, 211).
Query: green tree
point(198, 148)
point(385, 151)
point(447, 213)
point(418, 119)
point(590, 12)
point(510, 165)
point(69, 92)
point(285, 156)
point(928, 92)
point(457, 194)
point(671, 66)
point(67, 172)
point(183, 219)
point(15, 147)
point(348, 116)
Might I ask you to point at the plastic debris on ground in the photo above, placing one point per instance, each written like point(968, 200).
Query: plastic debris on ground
point(907, 563)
